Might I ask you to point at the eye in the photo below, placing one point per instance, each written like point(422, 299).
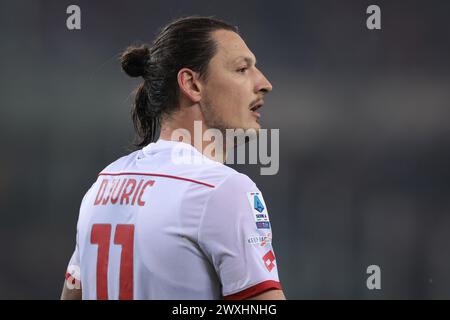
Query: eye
point(242, 70)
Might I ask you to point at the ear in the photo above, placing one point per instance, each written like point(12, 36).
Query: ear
point(189, 84)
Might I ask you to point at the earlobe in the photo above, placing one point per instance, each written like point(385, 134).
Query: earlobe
point(189, 84)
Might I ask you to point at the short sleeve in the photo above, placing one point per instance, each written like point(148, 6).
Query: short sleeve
point(236, 235)
point(73, 272)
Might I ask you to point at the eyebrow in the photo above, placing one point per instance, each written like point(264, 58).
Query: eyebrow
point(247, 59)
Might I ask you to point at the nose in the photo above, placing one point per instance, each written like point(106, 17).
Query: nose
point(262, 84)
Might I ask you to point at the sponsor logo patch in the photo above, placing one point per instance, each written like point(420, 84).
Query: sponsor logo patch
point(260, 240)
point(263, 225)
point(259, 210)
point(269, 260)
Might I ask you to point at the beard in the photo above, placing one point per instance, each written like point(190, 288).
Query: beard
point(212, 118)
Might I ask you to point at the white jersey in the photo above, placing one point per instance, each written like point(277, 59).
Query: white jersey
point(152, 228)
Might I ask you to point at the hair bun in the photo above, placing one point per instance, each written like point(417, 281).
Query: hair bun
point(134, 60)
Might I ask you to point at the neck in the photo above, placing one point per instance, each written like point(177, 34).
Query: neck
point(193, 133)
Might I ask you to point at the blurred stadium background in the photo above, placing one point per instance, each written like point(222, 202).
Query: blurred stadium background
point(364, 121)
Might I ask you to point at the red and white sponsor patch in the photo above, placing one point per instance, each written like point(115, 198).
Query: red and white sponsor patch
point(269, 260)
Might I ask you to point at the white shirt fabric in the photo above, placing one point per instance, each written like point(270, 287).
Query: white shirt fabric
point(151, 227)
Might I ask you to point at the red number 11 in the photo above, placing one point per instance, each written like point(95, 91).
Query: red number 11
point(124, 236)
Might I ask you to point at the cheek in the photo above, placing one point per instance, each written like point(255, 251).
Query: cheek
point(227, 97)
point(234, 107)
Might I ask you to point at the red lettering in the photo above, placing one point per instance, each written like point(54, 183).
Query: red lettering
point(148, 183)
point(127, 188)
point(136, 192)
point(114, 198)
point(101, 192)
point(113, 186)
point(126, 194)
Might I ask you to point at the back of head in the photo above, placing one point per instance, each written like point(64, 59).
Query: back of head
point(184, 43)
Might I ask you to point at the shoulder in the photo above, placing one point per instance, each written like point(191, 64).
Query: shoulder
point(231, 193)
point(224, 178)
point(121, 162)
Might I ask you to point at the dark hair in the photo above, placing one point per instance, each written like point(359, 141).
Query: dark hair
point(185, 42)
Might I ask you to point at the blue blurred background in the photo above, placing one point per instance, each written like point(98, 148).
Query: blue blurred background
point(364, 121)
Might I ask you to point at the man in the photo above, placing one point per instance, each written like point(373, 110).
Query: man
point(150, 228)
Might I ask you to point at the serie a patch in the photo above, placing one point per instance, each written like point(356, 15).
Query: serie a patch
point(259, 210)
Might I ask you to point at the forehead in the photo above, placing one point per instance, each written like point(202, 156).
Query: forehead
point(231, 47)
